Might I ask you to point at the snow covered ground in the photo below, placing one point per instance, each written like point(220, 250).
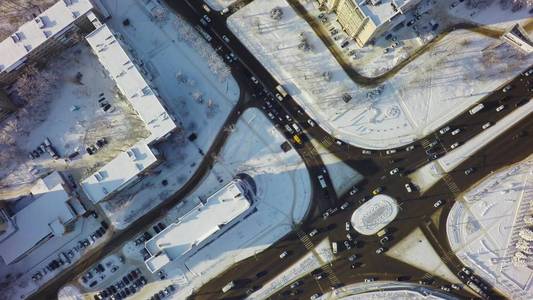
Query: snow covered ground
point(483, 228)
point(445, 80)
point(72, 119)
point(321, 255)
point(194, 84)
point(253, 148)
point(219, 4)
point(16, 279)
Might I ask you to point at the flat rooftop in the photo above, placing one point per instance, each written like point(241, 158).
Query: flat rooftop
point(35, 32)
point(130, 82)
point(119, 171)
point(199, 224)
point(382, 11)
point(43, 217)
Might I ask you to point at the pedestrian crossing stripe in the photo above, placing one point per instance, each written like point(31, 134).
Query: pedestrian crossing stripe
point(452, 186)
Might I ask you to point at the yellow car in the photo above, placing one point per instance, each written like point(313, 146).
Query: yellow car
point(297, 139)
point(377, 191)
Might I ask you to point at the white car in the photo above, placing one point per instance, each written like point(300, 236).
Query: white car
point(338, 142)
point(506, 88)
point(313, 232)
point(391, 151)
point(345, 205)
point(456, 131)
point(454, 145)
point(394, 171)
point(311, 123)
point(283, 254)
point(347, 226)
point(438, 203)
point(225, 38)
point(353, 191)
point(410, 148)
point(486, 125)
point(347, 245)
point(408, 187)
point(500, 108)
point(444, 130)
point(352, 257)
point(208, 19)
point(314, 296)
point(367, 152)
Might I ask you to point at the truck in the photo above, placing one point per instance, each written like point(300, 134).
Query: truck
point(476, 109)
point(228, 286)
point(281, 92)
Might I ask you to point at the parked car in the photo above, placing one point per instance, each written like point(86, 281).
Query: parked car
point(283, 254)
point(377, 190)
point(438, 203)
point(469, 171)
point(444, 130)
point(456, 131)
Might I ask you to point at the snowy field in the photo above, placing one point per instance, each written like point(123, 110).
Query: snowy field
point(16, 279)
point(219, 4)
point(194, 84)
point(253, 147)
point(445, 80)
point(321, 256)
point(483, 228)
point(72, 120)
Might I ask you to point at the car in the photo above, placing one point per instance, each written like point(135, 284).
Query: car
point(364, 199)
point(507, 88)
point(377, 190)
point(314, 296)
point(161, 225)
point(486, 125)
point(438, 203)
point(456, 287)
point(349, 237)
point(445, 288)
point(318, 276)
point(444, 130)
point(254, 80)
point(435, 156)
point(454, 145)
point(311, 123)
point(295, 284)
point(283, 254)
point(313, 232)
point(500, 108)
point(394, 171)
point(370, 279)
point(345, 205)
point(366, 152)
point(225, 38)
point(456, 131)
point(467, 271)
point(156, 229)
point(390, 151)
point(114, 269)
point(347, 226)
point(384, 239)
point(353, 257)
point(380, 250)
point(410, 148)
point(347, 245)
point(469, 171)
point(353, 191)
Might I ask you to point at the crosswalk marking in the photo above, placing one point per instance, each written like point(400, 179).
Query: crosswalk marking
point(425, 143)
point(452, 186)
point(327, 141)
point(311, 247)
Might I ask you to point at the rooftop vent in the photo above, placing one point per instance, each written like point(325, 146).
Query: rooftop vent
point(98, 177)
point(39, 22)
point(16, 37)
point(75, 14)
point(67, 2)
point(131, 154)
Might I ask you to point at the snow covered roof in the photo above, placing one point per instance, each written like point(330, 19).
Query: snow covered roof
point(374, 214)
point(130, 81)
point(118, 172)
point(382, 10)
point(42, 218)
point(199, 224)
point(37, 31)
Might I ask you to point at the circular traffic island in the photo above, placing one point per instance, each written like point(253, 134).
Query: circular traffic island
point(374, 214)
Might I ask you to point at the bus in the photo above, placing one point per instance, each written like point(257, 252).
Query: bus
point(228, 286)
point(476, 108)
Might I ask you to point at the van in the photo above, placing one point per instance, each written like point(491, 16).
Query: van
point(334, 247)
point(476, 109)
point(228, 286)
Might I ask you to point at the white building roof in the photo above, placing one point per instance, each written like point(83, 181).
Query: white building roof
point(130, 81)
point(119, 171)
point(35, 32)
point(45, 216)
point(382, 11)
point(374, 214)
point(199, 224)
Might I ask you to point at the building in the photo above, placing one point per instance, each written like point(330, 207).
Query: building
point(120, 172)
point(199, 225)
point(128, 167)
point(52, 30)
point(517, 37)
point(50, 212)
point(364, 20)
